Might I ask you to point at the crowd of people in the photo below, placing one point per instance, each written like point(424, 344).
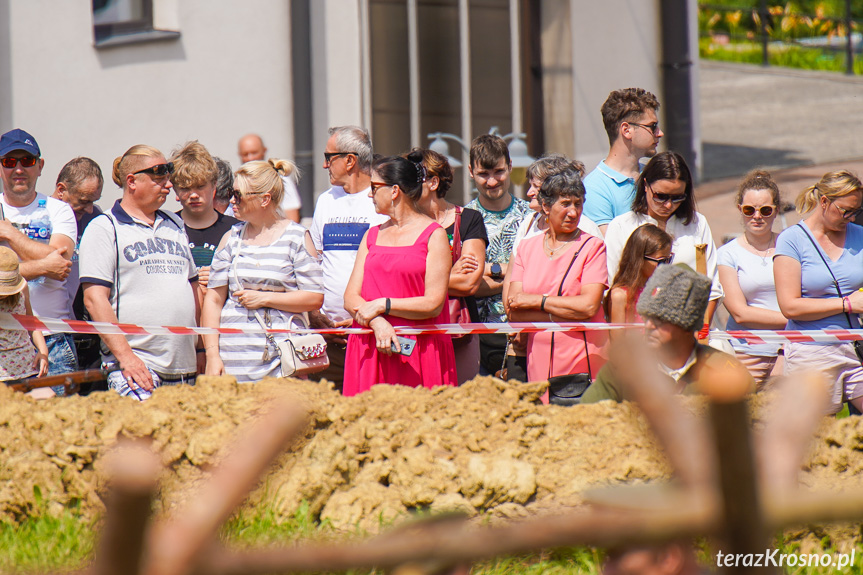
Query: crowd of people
point(387, 249)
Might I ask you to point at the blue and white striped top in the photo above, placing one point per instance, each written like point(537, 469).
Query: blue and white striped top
point(284, 265)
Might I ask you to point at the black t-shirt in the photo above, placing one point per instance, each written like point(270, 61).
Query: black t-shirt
point(472, 228)
point(204, 242)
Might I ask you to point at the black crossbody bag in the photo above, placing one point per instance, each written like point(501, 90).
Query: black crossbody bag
point(858, 344)
point(568, 389)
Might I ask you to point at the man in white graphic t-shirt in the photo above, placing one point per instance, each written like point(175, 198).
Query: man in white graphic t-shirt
point(343, 214)
point(45, 262)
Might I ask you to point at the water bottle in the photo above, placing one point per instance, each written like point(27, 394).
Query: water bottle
point(40, 229)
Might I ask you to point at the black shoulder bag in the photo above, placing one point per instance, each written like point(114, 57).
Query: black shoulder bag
point(568, 389)
point(858, 344)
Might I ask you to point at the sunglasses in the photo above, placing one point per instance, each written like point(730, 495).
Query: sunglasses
point(653, 128)
point(238, 196)
point(377, 185)
point(663, 198)
point(159, 170)
point(666, 260)
point(328, 156)
point(765, 211)
point(26, 162)
point(849, 214)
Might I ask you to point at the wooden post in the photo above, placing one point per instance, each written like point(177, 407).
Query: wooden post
point(175, 547)
point(134, 471)
point(743, 528)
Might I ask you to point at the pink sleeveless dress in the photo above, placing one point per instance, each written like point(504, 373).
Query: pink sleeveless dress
point(398, 272)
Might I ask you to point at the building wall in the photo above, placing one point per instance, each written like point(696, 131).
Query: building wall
point(616, 44)
point(226, 75)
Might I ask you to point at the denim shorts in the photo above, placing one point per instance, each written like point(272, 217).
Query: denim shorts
point(118, 382)
point(61, 356)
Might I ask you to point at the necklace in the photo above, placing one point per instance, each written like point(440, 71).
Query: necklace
point(551, 251)
point(770, 245)
point(441, 218)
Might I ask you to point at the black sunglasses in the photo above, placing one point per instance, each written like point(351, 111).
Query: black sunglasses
point(26, 162)
point(159, 170)
point(666, 260)
point(654, 127)
point(673, 198)
point(328, 156)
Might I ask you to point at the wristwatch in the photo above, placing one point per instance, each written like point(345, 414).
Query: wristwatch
point(496, 272)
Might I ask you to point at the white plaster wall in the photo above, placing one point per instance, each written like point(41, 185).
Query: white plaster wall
point(616, 44)
point(228, 74)
point(336, 74)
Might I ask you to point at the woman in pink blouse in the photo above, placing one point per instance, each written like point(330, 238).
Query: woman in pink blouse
point(560, 276)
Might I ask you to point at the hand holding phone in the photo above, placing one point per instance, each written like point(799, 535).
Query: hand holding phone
point(407, 346)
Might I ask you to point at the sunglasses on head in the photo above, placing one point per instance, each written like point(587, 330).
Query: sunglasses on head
point(666, 260)
point(673, 198)
point(26, 162)
point(159, 170)
point(749, 211)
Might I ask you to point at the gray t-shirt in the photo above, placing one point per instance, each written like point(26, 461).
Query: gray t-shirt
point(152, 285)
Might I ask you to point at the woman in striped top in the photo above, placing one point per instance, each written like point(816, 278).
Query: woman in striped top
point(267, 263)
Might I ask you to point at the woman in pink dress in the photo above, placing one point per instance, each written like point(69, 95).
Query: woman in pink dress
point(400, 279)
point(558, 276)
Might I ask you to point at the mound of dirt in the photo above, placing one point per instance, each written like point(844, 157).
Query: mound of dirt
point(486, 447)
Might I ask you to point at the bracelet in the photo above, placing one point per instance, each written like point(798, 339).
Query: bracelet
point(542, 305)
point(389, 306)
point(200, 350)
point(845, 300)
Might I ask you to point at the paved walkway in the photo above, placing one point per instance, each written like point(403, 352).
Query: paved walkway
point(797, 124)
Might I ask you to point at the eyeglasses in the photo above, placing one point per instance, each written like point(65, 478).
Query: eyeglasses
point(159, 170)
point(328, 156)
point(664, 198)
point(26, 162)
point(238, 196)
point(849, 214)
point(765, 211)
point(377, 185)
point(666, 260)
point(652, 128)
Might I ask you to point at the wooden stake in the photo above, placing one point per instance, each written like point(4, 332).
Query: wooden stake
point(448, 544)
point(134, 471)
point(744, 530)
point(175, 547)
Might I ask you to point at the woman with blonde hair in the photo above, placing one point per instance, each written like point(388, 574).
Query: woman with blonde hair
point(818, 269)
point(265, 267)
point(746, 271)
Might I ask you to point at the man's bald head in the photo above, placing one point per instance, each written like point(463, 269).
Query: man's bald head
point(251, 147)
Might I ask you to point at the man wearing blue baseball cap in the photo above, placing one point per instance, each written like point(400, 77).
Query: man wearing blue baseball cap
point(42, 231)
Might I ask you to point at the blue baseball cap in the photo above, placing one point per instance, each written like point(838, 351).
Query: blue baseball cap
point(18, 140)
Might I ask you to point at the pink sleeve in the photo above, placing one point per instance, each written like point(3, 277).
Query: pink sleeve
point(518, 266)
point(595, 269)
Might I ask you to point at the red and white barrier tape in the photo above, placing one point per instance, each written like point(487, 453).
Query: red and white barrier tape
point(18, 322)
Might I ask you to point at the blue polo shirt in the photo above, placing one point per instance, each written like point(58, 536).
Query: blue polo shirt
point(609, 194)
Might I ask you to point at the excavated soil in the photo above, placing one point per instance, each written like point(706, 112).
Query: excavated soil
point(484, 448)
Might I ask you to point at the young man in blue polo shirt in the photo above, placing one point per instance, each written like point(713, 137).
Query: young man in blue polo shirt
point(629, 116)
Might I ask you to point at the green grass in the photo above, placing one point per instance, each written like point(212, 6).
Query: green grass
point(65, 541)
point(789, 57)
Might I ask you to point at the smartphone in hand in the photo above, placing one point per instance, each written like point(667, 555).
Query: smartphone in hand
point(406, 344)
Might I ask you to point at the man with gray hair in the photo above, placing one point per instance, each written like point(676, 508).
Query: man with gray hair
point(672, 304)
point(79, 184)
point(343, 214)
